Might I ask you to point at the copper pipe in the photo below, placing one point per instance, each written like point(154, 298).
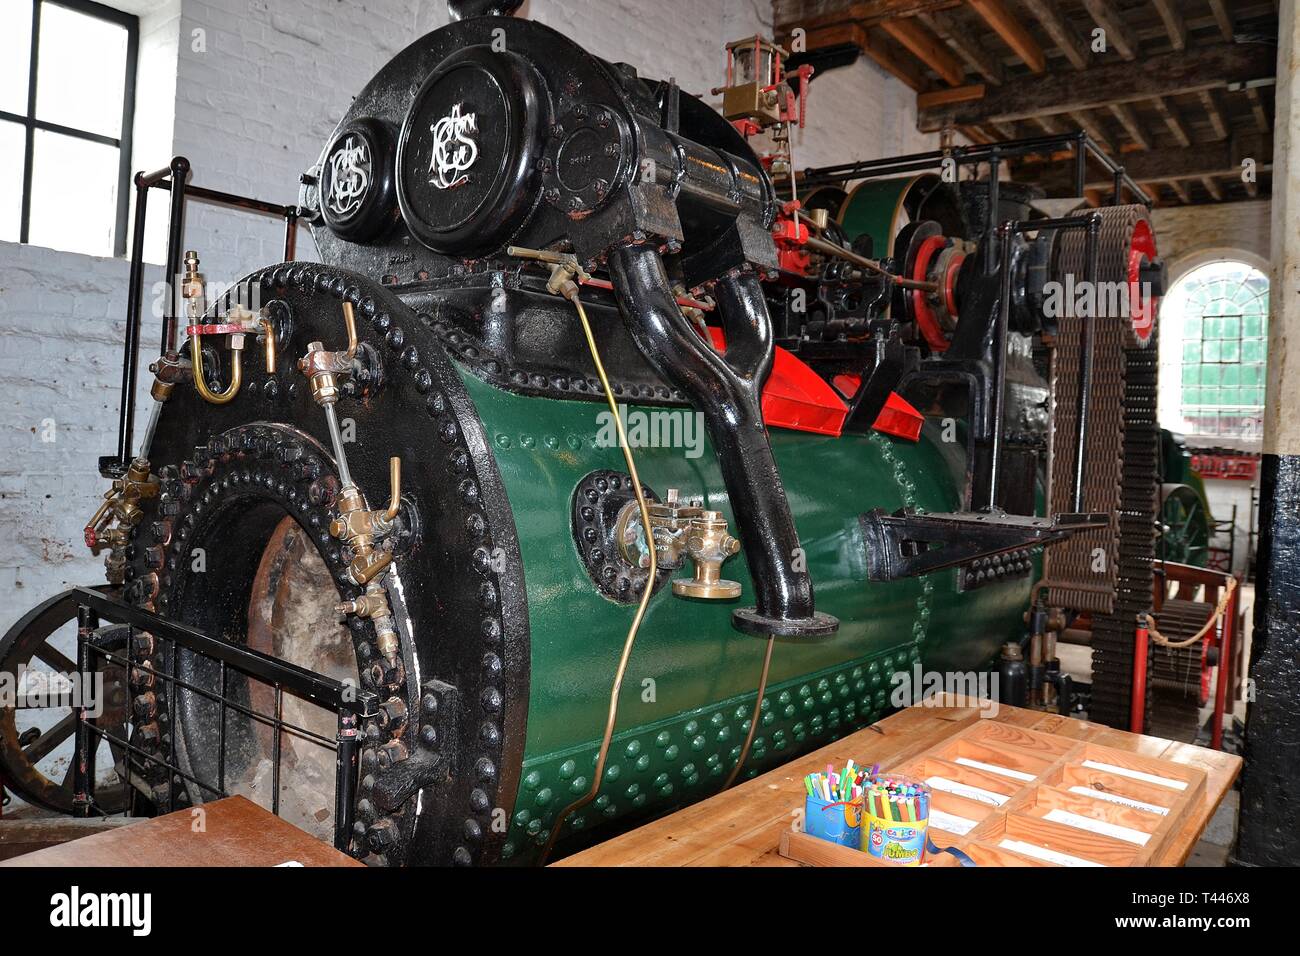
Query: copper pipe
point(268, 330)
point(570, 290)
point(753, 720)
point(395, 488)
point(236, 373)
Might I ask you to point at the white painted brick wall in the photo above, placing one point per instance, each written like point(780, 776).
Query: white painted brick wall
point(256, 93)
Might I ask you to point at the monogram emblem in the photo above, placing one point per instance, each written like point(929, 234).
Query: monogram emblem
point(453, 151)
point(349, 177)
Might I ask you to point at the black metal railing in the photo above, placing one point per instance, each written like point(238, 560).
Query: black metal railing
point(1082, 146)
point(348, 702)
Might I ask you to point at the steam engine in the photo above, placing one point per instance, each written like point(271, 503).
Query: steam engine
point(398, 464)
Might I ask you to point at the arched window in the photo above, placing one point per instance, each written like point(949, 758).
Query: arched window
point(1214, 338)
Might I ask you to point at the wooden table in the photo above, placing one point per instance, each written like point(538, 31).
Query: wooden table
point(743, 826)
point(235, 832)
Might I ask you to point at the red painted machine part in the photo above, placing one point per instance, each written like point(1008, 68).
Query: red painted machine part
point(1142, 312)
point(925, 317)
point(898, 418)
point(795, 396)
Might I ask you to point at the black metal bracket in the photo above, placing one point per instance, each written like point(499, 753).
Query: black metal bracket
point(906, 544)
point(431, 763)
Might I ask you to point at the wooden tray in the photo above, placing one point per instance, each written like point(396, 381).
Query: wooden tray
point(1007, 796)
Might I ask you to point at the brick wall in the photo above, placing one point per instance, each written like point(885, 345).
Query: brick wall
point(258, 85)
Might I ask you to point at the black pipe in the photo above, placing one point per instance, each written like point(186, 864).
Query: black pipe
point(83, 752)
point(345, 779)
point(1005, 232)
point(131, 341)
point(180, 169)
point(727, 389)
point(230, 199)
point(1093, 252)
point(1081, 143)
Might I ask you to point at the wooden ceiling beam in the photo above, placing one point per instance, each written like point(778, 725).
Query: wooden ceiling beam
point(1118, 34)
point(1223, 18)
point(1060, 30)
point(927, 48)
point(1093, 128)
point(1257, 109)
point(1173, 121)
point(968, 47)
point(1180, 191)
point(1213, 188)
point(1132, 125)
point(1175, 24)
point(864, 12)
point(1214, 110)
point(1163, 165)
point(1012, 31)
point(887, 58)
point(1165, 74)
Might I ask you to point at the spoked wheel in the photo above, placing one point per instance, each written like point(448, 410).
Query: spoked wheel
point(1184, 526)
point(37, 655)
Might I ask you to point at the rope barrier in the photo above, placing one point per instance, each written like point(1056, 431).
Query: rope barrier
point(1214, 620)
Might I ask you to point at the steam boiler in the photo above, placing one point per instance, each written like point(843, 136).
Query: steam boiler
point(557, 456)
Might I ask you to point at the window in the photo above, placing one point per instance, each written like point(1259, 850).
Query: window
point(1217, 318)
point(67, 91)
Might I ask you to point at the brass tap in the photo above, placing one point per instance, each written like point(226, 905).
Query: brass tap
point(566, 272)
point(708, 545)
point(324, 369)
point(681, 531)
point(168, 370)
point(361, 529)
point(119, 512)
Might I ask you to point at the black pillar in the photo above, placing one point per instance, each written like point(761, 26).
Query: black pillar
point(1268, 832)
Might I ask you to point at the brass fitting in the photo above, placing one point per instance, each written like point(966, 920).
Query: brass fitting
point(368, 605)
point(119, 512)
point(362, 529)
point(239, 320)
point(566, 272)
point(670, 520)
point(168, 370)
point(324, 369)
point(708, 545)
point(681, 531)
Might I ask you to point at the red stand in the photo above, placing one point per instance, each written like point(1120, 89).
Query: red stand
point(1137, 709)
point(1227, 628)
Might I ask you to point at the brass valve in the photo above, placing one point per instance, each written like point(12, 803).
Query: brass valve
point(361, 529)
point(681, 531)
point(168, 370)
point(324, 369)
point(120, 511)
point(708, 545)
point(566, 272)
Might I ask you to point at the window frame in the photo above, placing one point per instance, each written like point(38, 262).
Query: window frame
point(122, 143)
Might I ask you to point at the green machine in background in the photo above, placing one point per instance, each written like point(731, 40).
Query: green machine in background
point(1185, 519)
